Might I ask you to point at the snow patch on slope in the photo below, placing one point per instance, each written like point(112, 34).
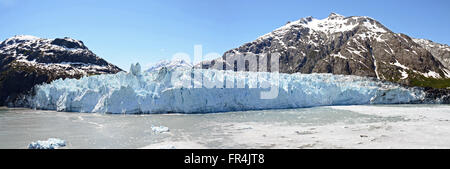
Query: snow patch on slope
point(398, 64)
point(331, 24)
point(404, 74)
point(430, 73)
point(339, 55)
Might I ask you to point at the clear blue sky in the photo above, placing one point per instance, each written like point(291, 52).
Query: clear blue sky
point(147, 31)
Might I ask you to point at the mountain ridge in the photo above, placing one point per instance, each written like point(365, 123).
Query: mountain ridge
point(354, 45)
point(26, 61)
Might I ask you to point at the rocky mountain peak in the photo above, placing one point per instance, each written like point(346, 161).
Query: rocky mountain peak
point(335, 16)
point(25, 40)
point(334, 23)
point(439, 51)
point(28, 60)
point(28, 49)
point(69, 43)
point(18, 39)
point(355, 45)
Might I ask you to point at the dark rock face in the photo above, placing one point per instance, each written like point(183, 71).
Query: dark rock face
point(440, 51)
point(26, 61)
point(346, 45)
point(437, 95)
point(68, 43)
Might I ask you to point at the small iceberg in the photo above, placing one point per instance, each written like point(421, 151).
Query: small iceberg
point(160, 129)
point(51, 143)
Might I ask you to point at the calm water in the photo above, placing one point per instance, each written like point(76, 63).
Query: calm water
point(19, 127)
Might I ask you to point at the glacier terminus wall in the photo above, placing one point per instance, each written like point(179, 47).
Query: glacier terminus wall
point(208, 90)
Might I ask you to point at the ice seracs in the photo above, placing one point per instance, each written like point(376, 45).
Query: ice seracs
point(176, 91)
point(135, 69)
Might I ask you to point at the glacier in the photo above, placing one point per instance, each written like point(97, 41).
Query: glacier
point(178, 91)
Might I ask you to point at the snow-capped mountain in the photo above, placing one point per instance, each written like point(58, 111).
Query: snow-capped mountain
point(169, 64)
point(67, 55)
point(27, 60)
point(355, 45)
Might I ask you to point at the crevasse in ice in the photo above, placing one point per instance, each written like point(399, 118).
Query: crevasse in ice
point(181, 91)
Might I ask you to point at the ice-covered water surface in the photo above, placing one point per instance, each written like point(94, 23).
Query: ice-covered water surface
point(362, 126)
point(181, 91)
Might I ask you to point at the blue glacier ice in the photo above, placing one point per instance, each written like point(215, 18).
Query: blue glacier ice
point(181, 91)
point(51, 143)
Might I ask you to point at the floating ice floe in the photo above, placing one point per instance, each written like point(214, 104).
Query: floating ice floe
point(51, 143)
point(160, 129)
